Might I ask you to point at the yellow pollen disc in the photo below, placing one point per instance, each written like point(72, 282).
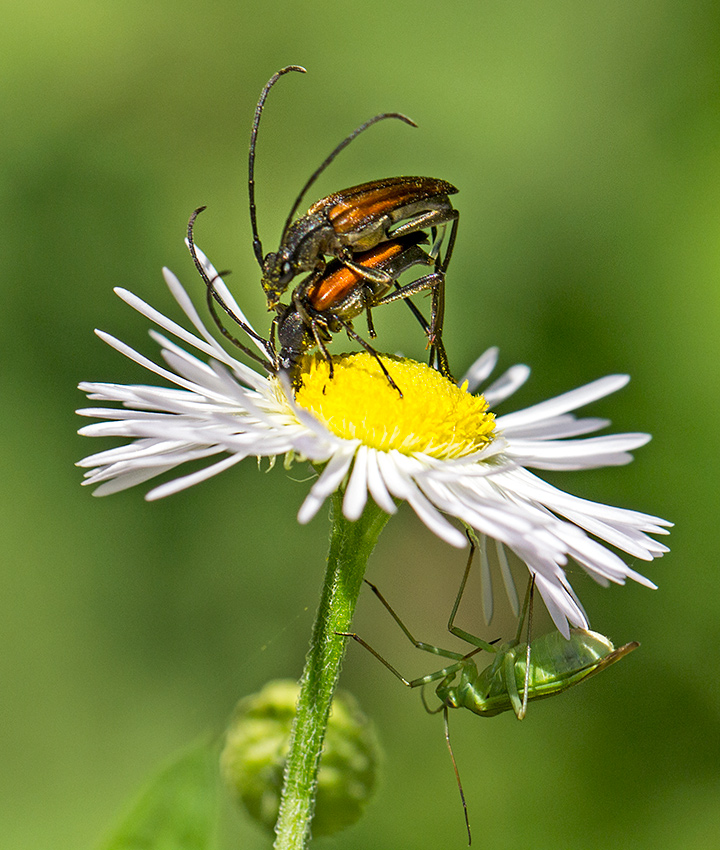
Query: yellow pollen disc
point(434, 415)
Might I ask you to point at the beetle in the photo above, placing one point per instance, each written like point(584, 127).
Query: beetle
point(348, 223)
point(323, 305)
point(326, 304)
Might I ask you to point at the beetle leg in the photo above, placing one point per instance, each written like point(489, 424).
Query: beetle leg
point(429, 281)
point(431, 218)
point(365, 296)
point(370, 350)
point(273, 329)
point(374, 275)
point(437, 312)
point(451, 242)
point(370, 325)
point(435, 282)
point(439, 360)
point(437, 237)
point(316, 328)
point(414, 310)
point(434, 219)
point(321, 345)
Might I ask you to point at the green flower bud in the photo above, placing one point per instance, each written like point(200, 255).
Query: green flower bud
point(256, 747)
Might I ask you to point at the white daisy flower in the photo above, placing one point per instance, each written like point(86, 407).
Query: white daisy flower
point(437, 448)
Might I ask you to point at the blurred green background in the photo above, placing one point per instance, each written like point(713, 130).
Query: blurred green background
point(584, 140)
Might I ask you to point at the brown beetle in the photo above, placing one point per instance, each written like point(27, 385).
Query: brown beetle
point(325, 304)
point(347, 223)
point(355, 220)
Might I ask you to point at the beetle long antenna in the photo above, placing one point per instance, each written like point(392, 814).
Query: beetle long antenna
point(457, 774)
point(345, 142)
point(257, 244)
point(213, 295)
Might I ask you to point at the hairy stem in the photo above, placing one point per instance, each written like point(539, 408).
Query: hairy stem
point(350, 546)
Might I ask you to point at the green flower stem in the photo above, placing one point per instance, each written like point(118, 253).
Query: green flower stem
point(350, 546)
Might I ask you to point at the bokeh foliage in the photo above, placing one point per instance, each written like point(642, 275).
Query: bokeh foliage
point(584, 139)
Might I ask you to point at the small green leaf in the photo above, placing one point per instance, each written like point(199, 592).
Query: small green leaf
point(178, 808)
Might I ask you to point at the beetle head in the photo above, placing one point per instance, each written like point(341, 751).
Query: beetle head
point(278, 271)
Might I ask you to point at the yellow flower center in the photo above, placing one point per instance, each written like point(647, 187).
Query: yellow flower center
point(434, 415)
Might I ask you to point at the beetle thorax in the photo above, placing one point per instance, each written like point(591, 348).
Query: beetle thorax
point(295, 339)
point(293, 334)
point(303, 248)
point(307, 240)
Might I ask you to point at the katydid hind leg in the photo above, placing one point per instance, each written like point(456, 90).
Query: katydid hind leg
point(418, 644)
point(445, 673)
point(452, 628)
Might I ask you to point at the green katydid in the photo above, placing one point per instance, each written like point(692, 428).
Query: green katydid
point(520, 672)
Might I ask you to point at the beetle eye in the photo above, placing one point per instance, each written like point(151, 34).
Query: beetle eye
point(287, 273)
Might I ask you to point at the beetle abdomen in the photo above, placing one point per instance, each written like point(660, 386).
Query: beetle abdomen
point(330, 290)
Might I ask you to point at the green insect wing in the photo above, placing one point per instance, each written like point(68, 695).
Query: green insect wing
point(556, 664)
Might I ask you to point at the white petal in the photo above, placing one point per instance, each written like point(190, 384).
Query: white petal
point(611, 450)
point(219, 285)
point(330, 479)
point(188, 480)
point(376, 485)
point(124, 482)
point(435, 521)
point(209, 346)
point(355, 497)
point(507, 577)
point(506, 384)
point(143, 361)
point(560, 604)
point(555, 428)
point(529, 486)
point(223, 407)
point(486, 580)
point(394, 468)
point(217, 282)
point(481, 369)
point(565, 402)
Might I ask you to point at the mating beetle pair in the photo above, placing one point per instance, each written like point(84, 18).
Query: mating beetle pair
point(326, 304)
point(373, 233)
